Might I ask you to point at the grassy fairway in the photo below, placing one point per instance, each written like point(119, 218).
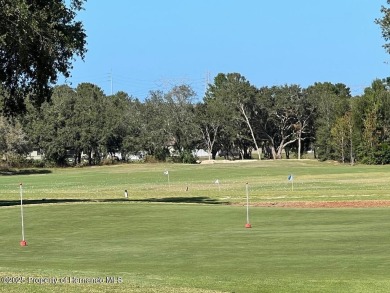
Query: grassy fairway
point(191, 248)
point(267, 180)
point(167, 239)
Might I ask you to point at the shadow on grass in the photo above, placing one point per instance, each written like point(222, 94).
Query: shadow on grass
point(195, 200)
point(6, 203)
point(8, 172)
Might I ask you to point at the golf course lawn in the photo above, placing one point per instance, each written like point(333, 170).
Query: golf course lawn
point(191, 246)
point(166, 239)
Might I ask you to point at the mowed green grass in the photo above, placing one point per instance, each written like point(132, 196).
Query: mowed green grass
point(167, 239)
point(195, 248)
point(267, 182)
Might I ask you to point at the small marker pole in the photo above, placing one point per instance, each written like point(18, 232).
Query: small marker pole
point(219, 186)
point(166, 172)
point(291, 178)
point(23, 242)
point(247, 225)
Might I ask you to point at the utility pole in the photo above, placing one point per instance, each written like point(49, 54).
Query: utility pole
point(111, 82)
point(207, 80)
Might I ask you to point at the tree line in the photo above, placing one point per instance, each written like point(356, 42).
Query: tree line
point(40, 39)
point(235, 119)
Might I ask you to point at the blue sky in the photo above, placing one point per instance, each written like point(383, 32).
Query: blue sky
point(138, 46)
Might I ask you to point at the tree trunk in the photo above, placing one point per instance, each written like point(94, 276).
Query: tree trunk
point(273, 151)
point(287, 150)
point(210, 142)
point(351, 148)
point(213, 154)
point(280, 149)
point(209, 152)
point(90, 157)
point(251, 130)
point(299, 143)
point(351, 155)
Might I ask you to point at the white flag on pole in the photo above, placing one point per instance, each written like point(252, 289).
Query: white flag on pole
point(167, 174)
point(291, 179)
point(217, 182)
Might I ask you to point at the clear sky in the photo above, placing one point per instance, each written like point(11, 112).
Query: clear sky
point(138, 46)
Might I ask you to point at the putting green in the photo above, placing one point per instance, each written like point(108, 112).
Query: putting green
point(140, 247)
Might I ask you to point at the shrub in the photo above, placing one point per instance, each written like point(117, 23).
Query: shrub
point(161, 154)
point(187, 157)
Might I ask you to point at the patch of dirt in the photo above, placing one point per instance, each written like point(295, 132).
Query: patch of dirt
point(323, 204)
point(220, 161)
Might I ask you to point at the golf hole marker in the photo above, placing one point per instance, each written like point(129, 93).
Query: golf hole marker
point(23, 241)
point(247, 225)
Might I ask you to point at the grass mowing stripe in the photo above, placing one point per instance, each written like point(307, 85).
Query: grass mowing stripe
point(203, 247)
point(267, 179)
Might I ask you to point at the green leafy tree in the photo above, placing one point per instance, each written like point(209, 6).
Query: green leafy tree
point(267, 128)
point(72, 123)
point(372, 119)
point(207, 118)
point(240, 97)
point(123, 125)
point(341, 133)
point(330, 102)
point(154, 126)
point(53, 128)
point(287, 119)
point(14, 143)
point(114, 128)
point(384, 23)
point(169, 123)
point(90, 119)
point(284, 116)
point(38, 41)
point(180, 115)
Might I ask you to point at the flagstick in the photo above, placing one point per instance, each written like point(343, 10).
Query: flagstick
point(247, 225)
point(219, 186)
point(23, 242)
point(292, 182)
point(166, 172)
point(291, 178)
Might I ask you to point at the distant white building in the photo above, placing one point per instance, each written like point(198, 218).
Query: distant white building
point(36, 154)
point(200, 153)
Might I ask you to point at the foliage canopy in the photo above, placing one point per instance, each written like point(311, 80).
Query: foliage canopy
point(38, 41)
